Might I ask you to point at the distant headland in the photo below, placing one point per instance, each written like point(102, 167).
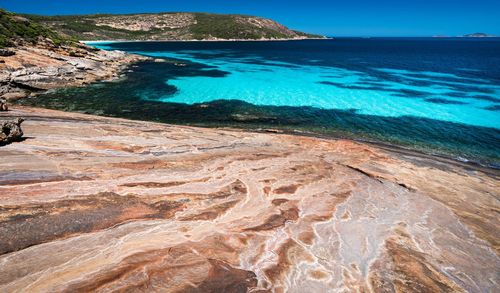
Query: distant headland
point(169, 26)
point(479, 35)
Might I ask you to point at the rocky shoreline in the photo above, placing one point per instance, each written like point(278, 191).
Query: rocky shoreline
point(138, 206)
point(90, 203)
point(31, 69)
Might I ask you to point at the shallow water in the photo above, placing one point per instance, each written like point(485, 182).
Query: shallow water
point(436, 95)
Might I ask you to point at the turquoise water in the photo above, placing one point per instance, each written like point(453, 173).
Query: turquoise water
point(278, 83)
point(441, 96)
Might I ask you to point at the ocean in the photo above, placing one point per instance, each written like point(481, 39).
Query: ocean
point(436, 95)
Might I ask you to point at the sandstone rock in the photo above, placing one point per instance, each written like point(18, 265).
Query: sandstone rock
point(76, 54)
point(4, 77)
point(115, 54)
point(42, 78)
point(84, 64)
point(11, 131)
point(46, 66)
point(184, 209)
point(21, 19)
point(36, 81)
point(13, 96)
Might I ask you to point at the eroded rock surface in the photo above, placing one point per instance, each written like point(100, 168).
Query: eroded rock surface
point(36, 68)
point(107, 205)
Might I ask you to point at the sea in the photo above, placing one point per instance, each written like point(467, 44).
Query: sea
point(440, 96)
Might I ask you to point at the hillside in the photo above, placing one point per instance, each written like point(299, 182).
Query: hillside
point(16, 30)
point(168, 26)
point(35, 58)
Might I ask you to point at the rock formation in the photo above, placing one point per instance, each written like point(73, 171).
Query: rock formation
point(10, 131)
point(93, 204)
point(38, 68)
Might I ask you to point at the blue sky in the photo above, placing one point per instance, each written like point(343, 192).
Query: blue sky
point(335, 18)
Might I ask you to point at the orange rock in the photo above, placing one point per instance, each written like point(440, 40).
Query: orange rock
point(83, 209)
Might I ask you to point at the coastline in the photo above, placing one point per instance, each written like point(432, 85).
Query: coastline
point(126, 59)
point(440, 158)
point(35, 69)
point(435, 159)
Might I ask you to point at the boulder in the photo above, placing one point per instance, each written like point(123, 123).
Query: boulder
point(13, 96)
point(3, 105)
point(38, 78)
point(10, 131)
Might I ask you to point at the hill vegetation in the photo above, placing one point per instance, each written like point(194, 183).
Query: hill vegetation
point(15, 29)
point(168, 26)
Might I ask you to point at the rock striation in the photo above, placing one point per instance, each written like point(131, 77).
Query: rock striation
point(106, 205)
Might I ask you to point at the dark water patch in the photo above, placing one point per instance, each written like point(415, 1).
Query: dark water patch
point(406, 93)
point(374, 83)
point(485, 98)
point(368, 79)
point(333, 76)
point(413, 93)
point(354, 86)
point(446, 79)
point(456, 94)
point(493, 108)
point(444, 101)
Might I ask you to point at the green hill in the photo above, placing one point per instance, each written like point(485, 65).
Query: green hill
point(16, 29)
point(168, 26)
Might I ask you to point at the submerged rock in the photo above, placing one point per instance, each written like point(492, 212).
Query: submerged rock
point(11, 131)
